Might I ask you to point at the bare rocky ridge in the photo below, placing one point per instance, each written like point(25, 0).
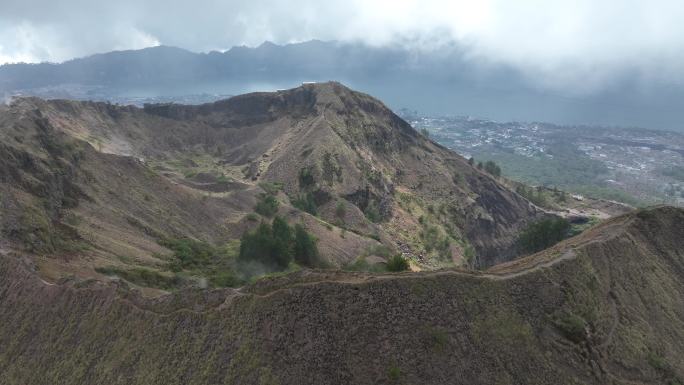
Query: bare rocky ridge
point(605, 307)
point(96, 183)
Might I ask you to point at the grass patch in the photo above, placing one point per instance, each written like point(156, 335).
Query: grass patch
point(379, 250)
point(433, 238)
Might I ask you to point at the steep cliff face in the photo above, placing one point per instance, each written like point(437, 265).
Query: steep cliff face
point(606, 307)
point(334, 152)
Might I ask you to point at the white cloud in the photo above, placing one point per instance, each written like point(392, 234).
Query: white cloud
point(584, 43)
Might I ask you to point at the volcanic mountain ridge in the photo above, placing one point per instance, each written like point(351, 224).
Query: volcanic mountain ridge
point(89, 185)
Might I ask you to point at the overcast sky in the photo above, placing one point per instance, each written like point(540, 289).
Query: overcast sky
point(586, 42)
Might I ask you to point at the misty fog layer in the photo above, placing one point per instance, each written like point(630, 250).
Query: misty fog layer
point(449, 82)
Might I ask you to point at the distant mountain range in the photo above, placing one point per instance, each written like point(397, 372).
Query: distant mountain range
point(268, 238)
point(448, 82)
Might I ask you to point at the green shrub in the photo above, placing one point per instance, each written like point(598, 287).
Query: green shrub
point(469, 253)
point(544, 234)
point(72, 219)
point(393, 373)
point(572, 327)
point(438, 339)
point(267, 205)
point(492, 168)
point(444, 248)
point(330, 169)
point(271, 187)
point(143, 277)
point(397, 263)
point(359, 264)
point(306, 177)
point(657, 362)
point(225, 278)
point(204, 259)
point(372, 212)
point(430, 236)
point(306, 202)
point(581, 227)
point(189, 253)
point(340, 210)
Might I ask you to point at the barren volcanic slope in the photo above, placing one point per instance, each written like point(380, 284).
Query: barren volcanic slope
point(88, 186)
point(90, 192)
point(606, 307)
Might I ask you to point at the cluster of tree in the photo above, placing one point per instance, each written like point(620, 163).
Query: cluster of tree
point(276, 245)
point(267, 205)
point(533, 194)
point(492, 168)
point(544, 234)
point(489, 166)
